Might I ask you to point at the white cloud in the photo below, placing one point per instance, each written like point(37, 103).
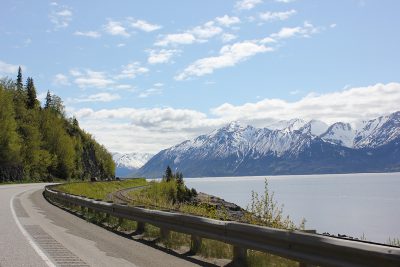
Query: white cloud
point(150, 130)
point(284, 1)
point(91, 34)
point(144, 25)
point(247, 4)
point(227, 21)
point(333, 25)
point(152, 91)
point(131, 70)
point(100, 97)
point(229, 56)
point(227, 37)
point(176, 38)
point(206, 31)
point(61, 79)
point(6, 68)
point(121, 45)
point(127, 87)
point(116, 28)
point(158, 84)
point(161, 56)
point(91, 78)
point(348, 106)
point(284, 15)
point(60, 17)
point(198, 34)
point(301, 31)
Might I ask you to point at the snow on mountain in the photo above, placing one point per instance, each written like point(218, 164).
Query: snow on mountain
point(292, 147)
point(314, 127)
point(379, 131)
point(340, 133)
point(131, 160)
point(290, 125)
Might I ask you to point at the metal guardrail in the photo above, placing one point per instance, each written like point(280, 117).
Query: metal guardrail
point(307, 249)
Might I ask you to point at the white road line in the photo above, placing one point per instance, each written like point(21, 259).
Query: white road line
point(30, 240)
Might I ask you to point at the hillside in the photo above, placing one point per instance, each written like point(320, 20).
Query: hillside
point(287, 147)
point(39, 143)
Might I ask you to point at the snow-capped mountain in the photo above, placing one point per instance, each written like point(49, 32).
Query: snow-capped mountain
point(340, 133)
point(286, 147)
point(128, 163)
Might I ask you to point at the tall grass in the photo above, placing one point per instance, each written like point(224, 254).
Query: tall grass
point(99, 190)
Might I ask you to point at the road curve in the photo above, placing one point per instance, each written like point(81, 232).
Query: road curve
point(35, 233)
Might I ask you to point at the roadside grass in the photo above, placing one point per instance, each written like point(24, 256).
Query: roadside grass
point(263, 210)
point(99, 190)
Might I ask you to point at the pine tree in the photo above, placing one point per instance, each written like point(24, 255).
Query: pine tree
point(32, 102)
point(168, 174)
point(19, 80)
point(48, 100)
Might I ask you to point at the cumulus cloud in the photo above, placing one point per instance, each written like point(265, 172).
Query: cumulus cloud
point(60, 16)
point(198, 34)
point(157, 90)
point(301, 31)
point(91, 78)
point(150, 130)
point(6, 68)
point(227, 21)
point(247, 4)
point(229, 56)
point(100, 97)
point(227, 37)
point(91, 34)
point(206, 31)
point(176, 38)
point(144, 25)
point(115, 28)
point(271, 16)
point(161, 56)
point(131, 70)
point(61, 79)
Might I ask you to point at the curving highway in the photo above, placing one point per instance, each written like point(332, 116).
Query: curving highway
point(35, 233)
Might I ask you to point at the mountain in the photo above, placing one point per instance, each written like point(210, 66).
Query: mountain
point(129, 163)
point(286, 147)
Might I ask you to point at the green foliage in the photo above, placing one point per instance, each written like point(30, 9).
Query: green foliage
point(264, 210)
point(99, 190)
point(42, 144)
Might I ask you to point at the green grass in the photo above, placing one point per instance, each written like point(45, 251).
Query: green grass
point(99, 190)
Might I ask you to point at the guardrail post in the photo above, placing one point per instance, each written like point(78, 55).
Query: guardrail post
point(140, 227)
point(164, 233)
point(239, 256)
point(195, 244)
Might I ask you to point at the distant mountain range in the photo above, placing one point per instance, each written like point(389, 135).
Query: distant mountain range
point(127, 164)
point(286, 147)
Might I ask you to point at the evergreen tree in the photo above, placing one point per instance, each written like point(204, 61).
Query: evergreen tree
point(19, 80)
point(179, 178)
point(48, 100)
point(32, 102)
point(168, 174)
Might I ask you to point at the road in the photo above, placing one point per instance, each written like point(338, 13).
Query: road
point(35, 233)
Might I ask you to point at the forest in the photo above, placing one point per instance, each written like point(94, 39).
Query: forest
point(40, 143)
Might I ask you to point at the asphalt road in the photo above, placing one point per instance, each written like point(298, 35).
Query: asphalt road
point(35, 233)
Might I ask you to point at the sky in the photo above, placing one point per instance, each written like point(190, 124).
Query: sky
point(142, 76)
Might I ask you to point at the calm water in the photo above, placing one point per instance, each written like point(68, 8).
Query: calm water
point(351, 204)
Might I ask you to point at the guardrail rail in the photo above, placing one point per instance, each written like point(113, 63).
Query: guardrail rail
point(306, 248)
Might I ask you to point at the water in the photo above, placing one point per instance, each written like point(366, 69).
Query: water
point(351, 204)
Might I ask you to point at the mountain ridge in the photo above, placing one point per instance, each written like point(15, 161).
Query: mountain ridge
point(313, 147)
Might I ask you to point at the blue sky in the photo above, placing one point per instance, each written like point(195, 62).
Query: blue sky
point(144, 75)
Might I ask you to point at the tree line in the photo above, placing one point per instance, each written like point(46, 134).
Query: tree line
point(39, 143)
